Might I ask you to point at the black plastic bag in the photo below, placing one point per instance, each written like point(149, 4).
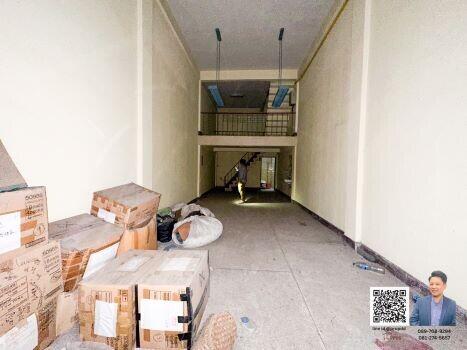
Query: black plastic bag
point(165, 225)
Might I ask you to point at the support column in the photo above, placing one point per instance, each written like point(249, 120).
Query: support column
point(144, 94)
point(361, 10)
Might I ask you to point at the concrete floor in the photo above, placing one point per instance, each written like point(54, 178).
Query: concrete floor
point(294, 278)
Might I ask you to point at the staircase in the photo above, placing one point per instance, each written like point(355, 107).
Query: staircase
point(286, 106)
point(276, 124)
point(231, 176)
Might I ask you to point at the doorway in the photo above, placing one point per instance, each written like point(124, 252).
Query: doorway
point(268, 173)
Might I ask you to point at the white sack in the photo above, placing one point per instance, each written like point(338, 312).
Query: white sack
point(187, 209)
point(203, 230)
point(177, 206)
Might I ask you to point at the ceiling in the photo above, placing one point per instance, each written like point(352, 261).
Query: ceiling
point(243, 93)
point(250, 30)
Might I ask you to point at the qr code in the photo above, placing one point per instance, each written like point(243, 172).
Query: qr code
point(389, 306)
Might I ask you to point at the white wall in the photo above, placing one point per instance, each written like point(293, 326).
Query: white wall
point(415, 176)
point(67, 96)
point(75, 101)
point(175, 114)
point(324, 111)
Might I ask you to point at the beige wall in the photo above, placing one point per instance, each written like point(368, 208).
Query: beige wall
point(207, 169)
point(323, 106)
point(67, 96)
point(285, 170)
point(415, 177)
point(226, 160)
point(381, 142)
point(175, 115)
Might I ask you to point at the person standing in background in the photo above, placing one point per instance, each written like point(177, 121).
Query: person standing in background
point(242, 170)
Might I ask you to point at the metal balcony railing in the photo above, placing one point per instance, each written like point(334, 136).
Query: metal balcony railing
point(248, 124)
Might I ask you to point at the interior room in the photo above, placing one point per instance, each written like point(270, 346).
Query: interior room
point(238, 174)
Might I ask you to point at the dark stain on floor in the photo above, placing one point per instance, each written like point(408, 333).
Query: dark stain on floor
point(393, 340)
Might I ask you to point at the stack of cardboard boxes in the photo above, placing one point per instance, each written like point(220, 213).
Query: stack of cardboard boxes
point(122, 218)
point(148, 299)
point(30, 269)
point(80, 237)
point(133, 208)
point(101, 266)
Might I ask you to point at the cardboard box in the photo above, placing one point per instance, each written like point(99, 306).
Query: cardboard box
point(128, 206)
point(107, 301)
point(35, 332)
point(82, 237)
point(46, 318)
point(175, 280)
point(10, 177)
point(143, 238)
point(28, 280)
point(23, 218)
point(177, 286)
point(174, 340)
point(67, 312)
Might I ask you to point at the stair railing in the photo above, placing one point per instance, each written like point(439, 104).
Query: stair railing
point(232, 173)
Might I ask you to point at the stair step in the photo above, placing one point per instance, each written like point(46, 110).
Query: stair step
point(276, 85)
point(271, 98)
